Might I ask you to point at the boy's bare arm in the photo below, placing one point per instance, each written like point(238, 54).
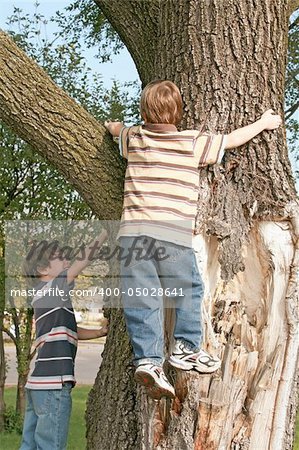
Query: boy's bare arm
point(84, 333)
point(268, 121)
point(79, 265)
point(114, 128)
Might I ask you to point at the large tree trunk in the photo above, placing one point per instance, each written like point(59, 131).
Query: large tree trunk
point(229, 60)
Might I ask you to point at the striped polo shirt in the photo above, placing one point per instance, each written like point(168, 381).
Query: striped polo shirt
point(56, 334)
point(162, 179)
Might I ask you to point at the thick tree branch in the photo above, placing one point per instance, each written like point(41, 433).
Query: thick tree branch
point(59, 129)
point(136, 22)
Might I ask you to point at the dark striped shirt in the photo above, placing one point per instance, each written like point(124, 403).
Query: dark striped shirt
point(56, 335)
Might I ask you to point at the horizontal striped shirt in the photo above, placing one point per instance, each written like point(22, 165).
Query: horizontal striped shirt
point(56, 334)
point(162, 179)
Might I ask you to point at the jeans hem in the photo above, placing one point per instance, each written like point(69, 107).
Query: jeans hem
point(148, 360)
point(189, 346)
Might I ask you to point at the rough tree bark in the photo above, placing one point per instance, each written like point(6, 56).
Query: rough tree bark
point(43, 115)
point(229, 60)
point(24, 355)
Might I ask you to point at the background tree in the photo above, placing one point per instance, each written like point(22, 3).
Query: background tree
point(216, 53)
point(30, 187)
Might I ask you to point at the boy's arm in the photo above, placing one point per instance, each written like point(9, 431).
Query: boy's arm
point(114, 128)
point(84, 333)
point(268, 121)
point(118, 129)
point(79, 265)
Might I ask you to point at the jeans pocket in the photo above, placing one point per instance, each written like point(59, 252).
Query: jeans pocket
point(41, 401)
point(175, 252)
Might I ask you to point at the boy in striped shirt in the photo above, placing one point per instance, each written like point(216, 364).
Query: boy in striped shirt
point(160, 203)
point(48, 389)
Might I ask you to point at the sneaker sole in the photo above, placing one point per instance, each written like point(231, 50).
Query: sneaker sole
point(201, 368)
point(153, 389)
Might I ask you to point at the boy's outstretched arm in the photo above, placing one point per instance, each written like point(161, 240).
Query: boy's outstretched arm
point(114, 128)
point(85, 333)
point(268, 121)
point(80, 264)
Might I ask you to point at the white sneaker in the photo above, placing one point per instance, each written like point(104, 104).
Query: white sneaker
point(185, 359)
point(154, 379)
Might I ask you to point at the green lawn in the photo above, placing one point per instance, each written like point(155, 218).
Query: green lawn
point(296, 445)
point(76, 440)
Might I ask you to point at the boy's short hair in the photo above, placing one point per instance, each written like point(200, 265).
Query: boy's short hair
point(39, 257)
point(161, 102)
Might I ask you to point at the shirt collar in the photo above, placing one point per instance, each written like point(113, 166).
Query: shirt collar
point(159, 127)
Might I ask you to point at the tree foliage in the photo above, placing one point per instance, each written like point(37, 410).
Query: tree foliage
point(82, 20)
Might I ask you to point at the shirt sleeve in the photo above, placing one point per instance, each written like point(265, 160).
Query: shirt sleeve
point(210, 149)
point(123, 142)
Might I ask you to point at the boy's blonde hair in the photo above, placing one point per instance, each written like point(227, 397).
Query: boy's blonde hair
point(161, 102)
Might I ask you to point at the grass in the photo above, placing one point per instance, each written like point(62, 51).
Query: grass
point(296, 444)
point(76, 439)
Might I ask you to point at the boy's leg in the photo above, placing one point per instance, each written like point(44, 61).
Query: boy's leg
point(143, 310)
point(188, 326)
point(53, 408)
point(143, 307)
point(181, 270)
point(179, 275)
point(30, 421)
point(187, 354)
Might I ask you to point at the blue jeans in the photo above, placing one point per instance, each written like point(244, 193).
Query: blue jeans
point(47, 418)
point(176, 274)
